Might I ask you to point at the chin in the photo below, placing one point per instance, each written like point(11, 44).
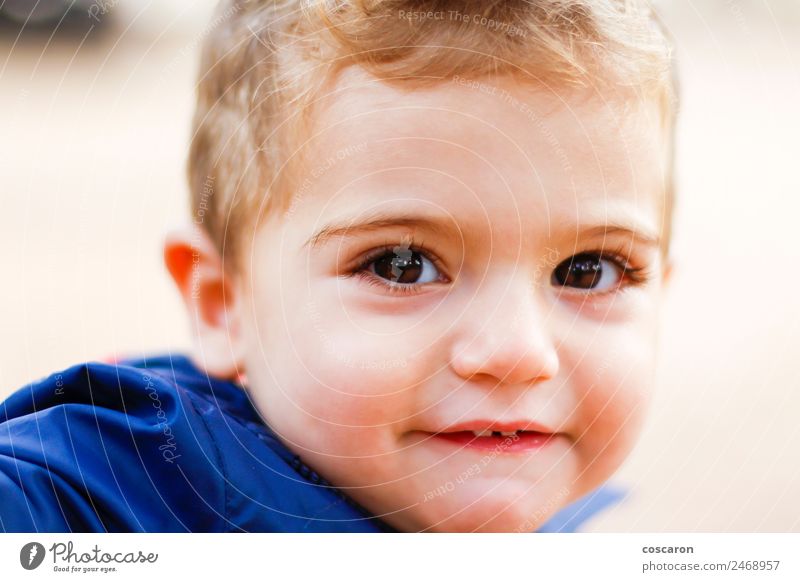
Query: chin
point(488, 518)
point(509, 509)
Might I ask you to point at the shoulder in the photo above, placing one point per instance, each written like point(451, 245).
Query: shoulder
point(121, 447)
point(154, 444)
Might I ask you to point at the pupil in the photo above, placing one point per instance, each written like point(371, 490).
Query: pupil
point(403, 266)
point(582, 272)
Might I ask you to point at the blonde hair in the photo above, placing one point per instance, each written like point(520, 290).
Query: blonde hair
point(264, 59)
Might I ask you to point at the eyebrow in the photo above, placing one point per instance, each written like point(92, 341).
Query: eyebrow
point(380, 220)
point(643, 236)
point(376, 222)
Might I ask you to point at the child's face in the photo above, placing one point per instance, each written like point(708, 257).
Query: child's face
point(489, 292)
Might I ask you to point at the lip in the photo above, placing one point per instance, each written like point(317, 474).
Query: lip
point(528, 436)
point(501, 426)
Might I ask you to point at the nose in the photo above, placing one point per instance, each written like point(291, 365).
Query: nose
point(508, 342)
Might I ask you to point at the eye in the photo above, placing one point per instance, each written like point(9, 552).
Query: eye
point(589, 271)
point(403, 265)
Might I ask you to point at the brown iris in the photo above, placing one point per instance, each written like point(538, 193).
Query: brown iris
point(399, 266)
point(582, 271)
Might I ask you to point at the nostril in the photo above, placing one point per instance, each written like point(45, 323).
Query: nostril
point(518, 358)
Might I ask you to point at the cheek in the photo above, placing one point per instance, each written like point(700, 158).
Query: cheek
point(322, 377)
point(361, 353)
point(612, 379)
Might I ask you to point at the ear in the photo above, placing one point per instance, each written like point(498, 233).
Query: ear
point(668, 271)
point(212, 300)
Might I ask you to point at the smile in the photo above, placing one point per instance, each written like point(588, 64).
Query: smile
point(492, 437)
point(510, 442)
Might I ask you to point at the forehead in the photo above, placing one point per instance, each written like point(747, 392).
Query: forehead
point(485, 150)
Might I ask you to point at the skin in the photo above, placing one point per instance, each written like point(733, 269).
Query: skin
point(356, 379)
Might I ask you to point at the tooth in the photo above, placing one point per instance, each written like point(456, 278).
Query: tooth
point(506, 434)
point(482, 433)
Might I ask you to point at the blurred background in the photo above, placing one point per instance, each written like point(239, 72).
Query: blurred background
point(95, 103)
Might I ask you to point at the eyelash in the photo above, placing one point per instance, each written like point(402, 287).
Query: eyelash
point(636, 276)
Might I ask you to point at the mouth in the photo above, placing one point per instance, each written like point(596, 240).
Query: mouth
point(495, 438)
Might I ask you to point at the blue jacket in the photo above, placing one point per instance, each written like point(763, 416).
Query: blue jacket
point(156, 445)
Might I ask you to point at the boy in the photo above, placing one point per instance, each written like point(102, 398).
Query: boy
point(429, 248)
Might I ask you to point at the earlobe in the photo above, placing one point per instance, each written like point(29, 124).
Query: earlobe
point(211, 299)
point(668, 271)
